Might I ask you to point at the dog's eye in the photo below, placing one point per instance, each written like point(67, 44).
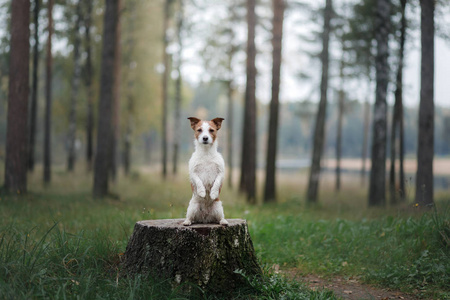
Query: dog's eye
point(199, 130)
point(211, 130)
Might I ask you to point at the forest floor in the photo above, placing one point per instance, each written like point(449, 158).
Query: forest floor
point(58, 240)
point(347, 287)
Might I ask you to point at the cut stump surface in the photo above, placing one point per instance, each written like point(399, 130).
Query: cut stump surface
point(204, 254)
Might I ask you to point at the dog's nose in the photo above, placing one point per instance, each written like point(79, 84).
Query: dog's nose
point(205, 138)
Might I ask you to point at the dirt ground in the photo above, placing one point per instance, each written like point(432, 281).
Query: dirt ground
point(350, 288)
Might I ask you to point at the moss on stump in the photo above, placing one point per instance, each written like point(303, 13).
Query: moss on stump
point(203, 254)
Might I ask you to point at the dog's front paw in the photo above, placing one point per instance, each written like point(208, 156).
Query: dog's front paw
point(201, 192)
point(223, 222)
point(187, 222)
point(214, 194)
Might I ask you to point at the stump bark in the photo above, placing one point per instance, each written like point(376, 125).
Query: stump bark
point(204, 254)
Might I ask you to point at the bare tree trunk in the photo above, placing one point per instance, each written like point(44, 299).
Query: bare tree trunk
point(71, 137)
point(128, 130)
point(272, 142)
point(392, 192)
point(248, 167)
point(377, 191)
point(425, 150)
point(34, 89)
point(90, 104)
point(397, 120)
point(16, 134)
point(365, 139)
point(230, 119)
point(319, 132)
point(105, 107)
point(165, 80)
point(127, 140)
point(232, 48)
point(339, 126)
point(48, 98)
point(178, 86)
point(116, 98)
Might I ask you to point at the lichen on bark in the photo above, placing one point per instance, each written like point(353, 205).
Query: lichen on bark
point(206, 255)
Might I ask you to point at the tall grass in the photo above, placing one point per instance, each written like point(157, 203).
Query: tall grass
point(59, 242)
point(407, 253)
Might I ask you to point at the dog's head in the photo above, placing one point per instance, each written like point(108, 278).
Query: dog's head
point(206, 131)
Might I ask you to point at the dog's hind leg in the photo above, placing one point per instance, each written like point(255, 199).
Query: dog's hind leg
point(193, 206)
point(218, 212)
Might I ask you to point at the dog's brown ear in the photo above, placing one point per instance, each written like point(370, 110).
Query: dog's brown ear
point(194, 121)
point(217, 122)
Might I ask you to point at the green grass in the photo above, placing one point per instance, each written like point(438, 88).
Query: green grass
point(58, 242)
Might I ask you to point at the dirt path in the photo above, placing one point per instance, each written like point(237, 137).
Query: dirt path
point(350, 288)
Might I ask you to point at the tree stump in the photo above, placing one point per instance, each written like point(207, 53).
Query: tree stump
point(204, 254)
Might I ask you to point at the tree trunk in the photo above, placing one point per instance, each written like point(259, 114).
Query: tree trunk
point(71, 137)
point(272, 142)
point(127, 140)
point(16, 134)
point(392, 192)
point(230, 118)
point(377, 190)
point(397, 121)
point(116, 99)
point(178, 94)
point(339, 126)
point(365, 139)
point(203, 254)
point(165, 80)
point(319, 132)
point(89, 87)
point(425, 150)
point(248, 164)
point(48, 98)
point(34, 89)
point(105, 108)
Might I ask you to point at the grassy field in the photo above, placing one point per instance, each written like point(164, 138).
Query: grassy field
point(58, 242)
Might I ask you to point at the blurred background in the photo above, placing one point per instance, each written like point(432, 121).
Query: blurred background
point(301, 75)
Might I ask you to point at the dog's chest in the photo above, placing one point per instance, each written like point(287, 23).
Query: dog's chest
point(206, 168)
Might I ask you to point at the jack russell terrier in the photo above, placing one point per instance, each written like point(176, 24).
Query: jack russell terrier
point(206, 172)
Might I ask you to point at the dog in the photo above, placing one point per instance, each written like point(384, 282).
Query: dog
point(206, 173)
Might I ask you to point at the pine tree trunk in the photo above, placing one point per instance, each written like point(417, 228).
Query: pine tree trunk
point(230, 119)
point(272, 142)
point(377, 189)
point(48, 98)
point(339, 140)
point(105, 108)
point(89, 87)
point(397, 121)
point(319, 132)
point(16, 134)
point(71, 137)
point(127, 140)
point(206, 255)
point(365, 140)
point(34, 89)
point(165, 80)
point(178, 86)
point(248, 164)
point(116, 99)
point(392, 192)
point(425, 150)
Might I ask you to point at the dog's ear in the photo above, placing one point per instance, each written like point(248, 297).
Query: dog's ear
point(194, 121)
point(217, 122)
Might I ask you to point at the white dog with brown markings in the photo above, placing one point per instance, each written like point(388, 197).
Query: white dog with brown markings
point(206, 172)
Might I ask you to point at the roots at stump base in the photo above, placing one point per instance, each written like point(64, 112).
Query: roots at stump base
point(203, 254)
